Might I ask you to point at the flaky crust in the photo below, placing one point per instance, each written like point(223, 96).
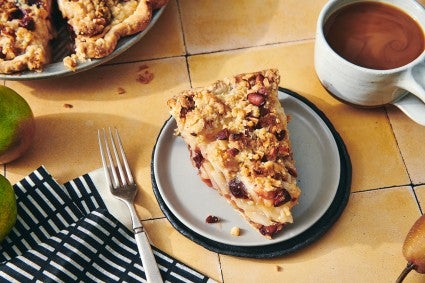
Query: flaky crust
point(236, 131)
point(25, 33)
point(99, 24)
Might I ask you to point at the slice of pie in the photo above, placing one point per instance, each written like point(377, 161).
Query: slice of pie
point(97, 25)
point(25, 34)
point(237, 135)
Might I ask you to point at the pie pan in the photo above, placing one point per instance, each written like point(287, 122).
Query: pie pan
point(324, 169)
point(58, 69)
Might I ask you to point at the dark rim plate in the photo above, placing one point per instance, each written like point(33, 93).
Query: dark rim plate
point(306, 236)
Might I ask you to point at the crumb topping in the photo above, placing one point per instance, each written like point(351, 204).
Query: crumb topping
point(99, 24)
point(239, 127)
point(95, 26)
point(25, 32)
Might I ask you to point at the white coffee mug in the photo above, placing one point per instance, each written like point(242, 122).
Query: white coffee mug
point(402, 86)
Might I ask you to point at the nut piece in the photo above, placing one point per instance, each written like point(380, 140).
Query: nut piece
point(235, 231)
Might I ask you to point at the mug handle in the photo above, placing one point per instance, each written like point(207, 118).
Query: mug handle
point(413, 107)
point(413, 80)
point(413, 104)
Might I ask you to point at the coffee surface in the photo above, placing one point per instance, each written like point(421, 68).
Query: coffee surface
point(374, 35)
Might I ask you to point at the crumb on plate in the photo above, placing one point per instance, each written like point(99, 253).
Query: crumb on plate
point(235, 231)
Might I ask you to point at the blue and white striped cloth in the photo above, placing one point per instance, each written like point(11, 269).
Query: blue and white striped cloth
point(67, 234)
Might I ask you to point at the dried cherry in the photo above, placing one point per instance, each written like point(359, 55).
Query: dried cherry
point(237, 188)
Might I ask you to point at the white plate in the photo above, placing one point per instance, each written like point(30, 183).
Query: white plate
point(58, 69)
point(186, 197)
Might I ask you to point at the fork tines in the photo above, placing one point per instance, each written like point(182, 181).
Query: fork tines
point(113, 160)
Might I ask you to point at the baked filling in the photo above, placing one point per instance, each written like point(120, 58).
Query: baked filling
point(237, 135)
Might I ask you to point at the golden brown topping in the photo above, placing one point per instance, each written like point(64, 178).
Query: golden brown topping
point(187, 105)
point(268, 121)
point(240, 129)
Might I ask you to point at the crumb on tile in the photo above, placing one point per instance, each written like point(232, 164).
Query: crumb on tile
point(235, 231)
point(278, 268)
point(67, 105)
point(121, 90)
point(145, 77)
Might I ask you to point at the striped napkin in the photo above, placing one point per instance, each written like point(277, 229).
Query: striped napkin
point(70, 233)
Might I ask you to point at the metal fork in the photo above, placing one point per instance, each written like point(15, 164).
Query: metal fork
point(123, 187)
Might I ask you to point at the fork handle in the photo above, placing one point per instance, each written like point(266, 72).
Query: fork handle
point(149, 264)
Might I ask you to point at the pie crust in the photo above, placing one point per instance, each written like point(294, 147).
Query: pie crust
point(98, 24)
point(95, 26)
point(237, 135)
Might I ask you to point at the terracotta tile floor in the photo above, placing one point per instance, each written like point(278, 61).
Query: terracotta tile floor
point(192, 44)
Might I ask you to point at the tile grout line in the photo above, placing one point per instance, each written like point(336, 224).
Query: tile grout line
point(398, 146)
point(181, 26)
point(412, 184)
point(411, 189)
point(385, 188)
point(153, 218)
point(186, 55)
point(251, 46)
point(417, 199)
point(221, 269)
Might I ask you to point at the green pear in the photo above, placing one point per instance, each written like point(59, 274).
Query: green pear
point(8, 208)
point(17, 125)
point(414, 249)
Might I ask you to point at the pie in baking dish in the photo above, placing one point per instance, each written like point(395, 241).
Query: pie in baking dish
point(27, 29)
point(237, 135)
point(25, 33)
point(97, 25)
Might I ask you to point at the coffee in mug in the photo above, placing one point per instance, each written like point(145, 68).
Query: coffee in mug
point(374, 35)
point(357, 58)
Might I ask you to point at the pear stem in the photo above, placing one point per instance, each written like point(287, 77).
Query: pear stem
point(405, 271)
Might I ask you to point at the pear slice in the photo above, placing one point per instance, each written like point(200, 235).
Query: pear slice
point(414, 249)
